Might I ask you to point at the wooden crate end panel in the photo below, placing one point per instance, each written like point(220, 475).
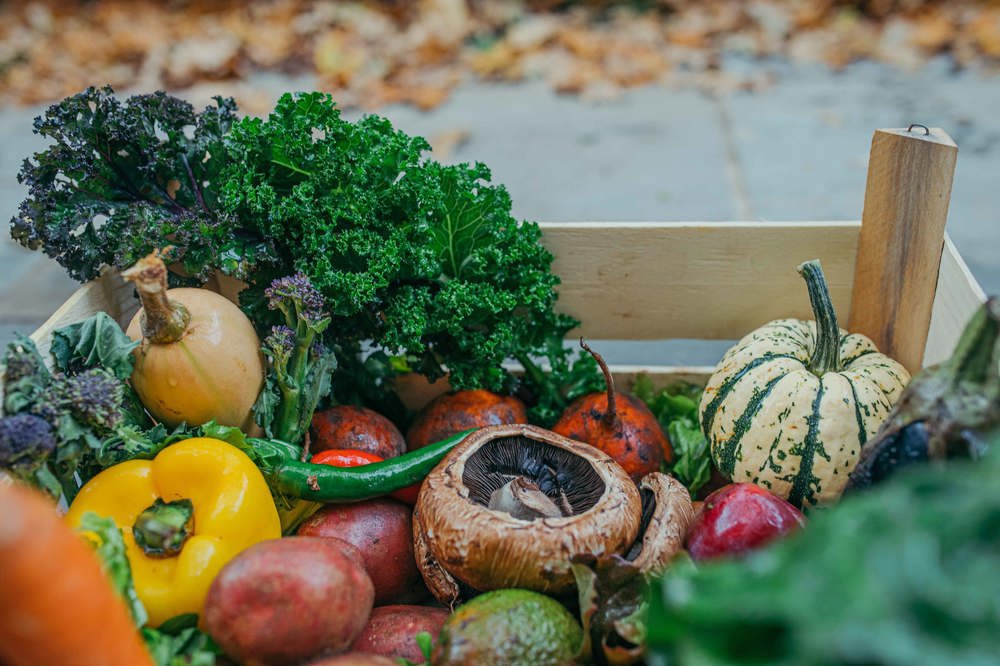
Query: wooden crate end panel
point(957, 297)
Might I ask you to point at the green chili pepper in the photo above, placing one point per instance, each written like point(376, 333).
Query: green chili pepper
point(324, 483)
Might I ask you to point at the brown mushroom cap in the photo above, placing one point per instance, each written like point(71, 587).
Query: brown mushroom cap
point(460, 540)
point(667, 512)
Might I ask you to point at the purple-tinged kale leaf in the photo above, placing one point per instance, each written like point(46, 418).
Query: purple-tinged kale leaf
point(122, 178)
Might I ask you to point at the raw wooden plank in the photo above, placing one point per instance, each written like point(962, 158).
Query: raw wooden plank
point(958, 296)
point(902, 234)
point(677, 280)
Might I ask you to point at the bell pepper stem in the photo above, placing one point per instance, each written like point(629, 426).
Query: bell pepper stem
point(163, 527)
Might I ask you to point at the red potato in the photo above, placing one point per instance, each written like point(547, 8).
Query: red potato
point(454, 412)
point(391, 630)
point(286, 600)
point(382, 530)
point(355, 659)
point(351, 427)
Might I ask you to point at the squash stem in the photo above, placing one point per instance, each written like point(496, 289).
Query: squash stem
point(163, 320)
point(610, 416)
point(826, 354)
point(976, 358)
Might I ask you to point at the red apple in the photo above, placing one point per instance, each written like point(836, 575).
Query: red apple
point(738, 518)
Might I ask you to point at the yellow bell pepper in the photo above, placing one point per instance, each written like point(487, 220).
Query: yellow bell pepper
point(232, 510)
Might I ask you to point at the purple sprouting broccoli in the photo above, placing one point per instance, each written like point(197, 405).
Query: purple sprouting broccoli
point(94, 397)
point(26, 442)
point(300, 366)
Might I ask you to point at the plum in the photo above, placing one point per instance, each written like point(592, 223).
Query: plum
point(738, 518)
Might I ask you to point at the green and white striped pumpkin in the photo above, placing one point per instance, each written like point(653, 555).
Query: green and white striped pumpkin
point(790, 406)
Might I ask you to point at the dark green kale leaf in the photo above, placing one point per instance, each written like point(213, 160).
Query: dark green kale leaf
point(419, 260)
point(124, 178)
point(905, 573)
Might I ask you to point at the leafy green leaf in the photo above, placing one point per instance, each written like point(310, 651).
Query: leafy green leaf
point(25, 377)
point(676, 408)
point(123, 178)
point(902, 574)
point(692, 456)
point(97, 341)
point(179, 642)
point(111, 551)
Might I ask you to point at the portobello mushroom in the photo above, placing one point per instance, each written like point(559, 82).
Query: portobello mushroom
point(552, 498)
point(667, 513)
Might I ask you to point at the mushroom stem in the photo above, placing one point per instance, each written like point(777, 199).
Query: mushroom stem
point(610, 416)
point(523, 499)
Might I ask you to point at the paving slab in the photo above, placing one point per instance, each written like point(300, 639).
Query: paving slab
point(802, 145)
point(654, 154)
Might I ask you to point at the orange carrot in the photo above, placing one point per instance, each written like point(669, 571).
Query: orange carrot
point(56, 604)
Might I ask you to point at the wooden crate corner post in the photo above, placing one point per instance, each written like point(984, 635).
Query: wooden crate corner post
point(910, 173)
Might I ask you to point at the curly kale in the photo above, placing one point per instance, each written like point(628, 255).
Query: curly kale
point(421, 265)
point(416, 258)
point(124, 178)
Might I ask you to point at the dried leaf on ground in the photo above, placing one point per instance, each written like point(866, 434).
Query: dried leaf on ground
point(374, 52)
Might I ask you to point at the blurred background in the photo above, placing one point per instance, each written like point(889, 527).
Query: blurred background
point(589, 110)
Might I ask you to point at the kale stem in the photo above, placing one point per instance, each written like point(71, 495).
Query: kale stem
point(194, 184)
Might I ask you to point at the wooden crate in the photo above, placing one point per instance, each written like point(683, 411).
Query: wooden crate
point(676, 280)
point(719, 281)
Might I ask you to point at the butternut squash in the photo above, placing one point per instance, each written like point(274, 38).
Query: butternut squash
point(199, 358)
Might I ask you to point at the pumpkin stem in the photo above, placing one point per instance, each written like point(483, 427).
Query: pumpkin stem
point(610, 416)
point(163, 320)
point(826, 354)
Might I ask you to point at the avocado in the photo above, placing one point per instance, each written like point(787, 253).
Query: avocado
point(509, 627)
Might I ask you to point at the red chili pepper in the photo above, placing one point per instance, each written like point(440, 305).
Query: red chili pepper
point(358, 458)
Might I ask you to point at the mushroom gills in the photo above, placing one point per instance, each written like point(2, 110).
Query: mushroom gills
point(648, 507)
point(531, 479)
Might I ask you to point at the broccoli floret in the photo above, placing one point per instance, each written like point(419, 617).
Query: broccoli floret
point(300, 365)
point(26, 441)
point(299, 301)
point(94, 397)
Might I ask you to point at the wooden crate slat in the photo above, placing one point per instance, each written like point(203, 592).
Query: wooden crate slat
point(958, 295)
point(682, 280)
